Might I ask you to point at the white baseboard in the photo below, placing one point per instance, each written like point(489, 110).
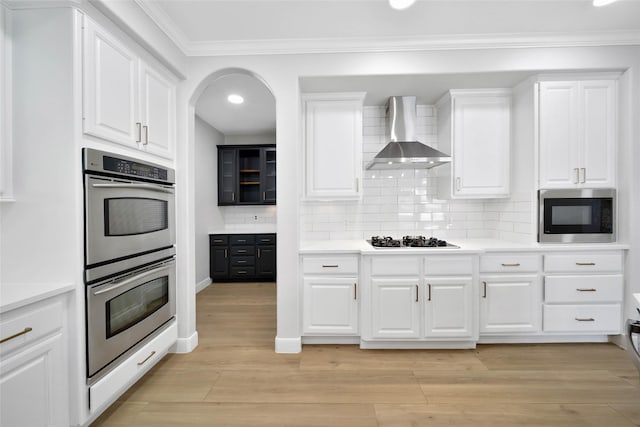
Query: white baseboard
point(185, 345)
point(288, 345)
point(203, 284)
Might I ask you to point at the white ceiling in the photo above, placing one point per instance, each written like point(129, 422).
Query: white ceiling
point(230, 27)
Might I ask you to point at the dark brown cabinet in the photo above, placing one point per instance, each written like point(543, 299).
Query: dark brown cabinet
point(246, 175)
point(242, 257)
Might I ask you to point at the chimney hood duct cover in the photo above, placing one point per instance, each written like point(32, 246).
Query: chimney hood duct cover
point(404, 151)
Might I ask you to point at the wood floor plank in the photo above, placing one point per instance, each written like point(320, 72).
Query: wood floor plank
point(493, 387)
point(351, 357)
point(499, 415)
point(236, 415)
point(317, 387)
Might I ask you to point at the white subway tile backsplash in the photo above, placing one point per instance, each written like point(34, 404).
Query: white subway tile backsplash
point(400, 202)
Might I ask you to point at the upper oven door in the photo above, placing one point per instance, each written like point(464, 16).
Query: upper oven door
point(126, 218)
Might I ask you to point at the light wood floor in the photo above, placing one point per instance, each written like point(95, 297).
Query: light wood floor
point(234, 378)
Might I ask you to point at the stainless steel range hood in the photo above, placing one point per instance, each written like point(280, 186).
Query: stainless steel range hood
point(404, 151)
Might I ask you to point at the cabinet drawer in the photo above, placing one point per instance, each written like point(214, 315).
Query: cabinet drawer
point(218, 239)
point(602, 318)
point(243, 250)
point(397, 266)
point(43, 319)
point(583, 289)
point(587, 262)
point(507, 263)
point(243, 261)
point(125, 374)
point(242, 239)
point(449, 265)
point(265, 239)
point(239, 272)
point(330, 265)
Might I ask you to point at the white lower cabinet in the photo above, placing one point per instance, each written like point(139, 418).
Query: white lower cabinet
point(448, 307)
point(510, 293)
point(583, 293)
point(395, 308)
point(33, 365)
point(330, 295)
point(330, 306)
point(419, 299)
point(510, 304)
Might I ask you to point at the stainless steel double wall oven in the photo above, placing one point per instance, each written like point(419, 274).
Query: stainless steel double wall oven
point(129, 255)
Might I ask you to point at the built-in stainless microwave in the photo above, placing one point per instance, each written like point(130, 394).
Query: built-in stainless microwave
point(577, 216)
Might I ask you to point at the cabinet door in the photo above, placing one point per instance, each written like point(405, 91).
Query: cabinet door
point(481, 141)
point(266, 262)
point(558, 135)
point(227, 176)
point(395, 309)
point(448, 307)
point(598, 157)
point(33, 386)
point(110, 81)
point(268, 176)
point(333, 144)
point(510, 304)
point(330, 306)
point(219, 262)
point(157, 109)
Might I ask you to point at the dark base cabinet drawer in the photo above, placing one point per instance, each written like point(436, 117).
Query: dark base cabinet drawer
point(242, 272)
point(242, 257)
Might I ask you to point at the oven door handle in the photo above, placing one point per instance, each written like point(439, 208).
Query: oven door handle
point(129, 280)
point(136, 187)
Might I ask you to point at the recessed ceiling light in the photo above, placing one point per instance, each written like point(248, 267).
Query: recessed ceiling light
point(401, 4)
point(598, 3)
point(235, 99)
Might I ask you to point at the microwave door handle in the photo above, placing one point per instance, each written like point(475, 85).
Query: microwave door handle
point(129, 280)
point(136, 187)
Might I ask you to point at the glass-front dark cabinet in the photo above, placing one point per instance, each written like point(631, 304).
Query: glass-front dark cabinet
point(246, 175)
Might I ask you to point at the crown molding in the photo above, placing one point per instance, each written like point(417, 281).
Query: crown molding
point(407, 44)
point(383, 44)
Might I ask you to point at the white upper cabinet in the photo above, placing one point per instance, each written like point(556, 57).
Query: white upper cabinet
point(333, 145)
point(157, 96)
point(125, 100)
point(475, 127)
point(577, 134)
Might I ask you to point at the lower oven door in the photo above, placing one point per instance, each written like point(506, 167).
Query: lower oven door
point(123, 311)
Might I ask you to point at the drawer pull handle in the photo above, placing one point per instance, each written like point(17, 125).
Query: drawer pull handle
point(586, 289)
point(242, 272)
point(242, 251)
point(242, 241)
point(147, 358)
point(515, 264)
point(25, 331)
point(330, 265)
point(241, 262)
point(217, 241)
point(585, 263)
point(265, 240)
point(585, 319)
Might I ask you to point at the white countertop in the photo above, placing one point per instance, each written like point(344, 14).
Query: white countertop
point(246, 229)
point(16, 295)
point(466, 246)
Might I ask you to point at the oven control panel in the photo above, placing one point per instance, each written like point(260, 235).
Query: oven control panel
point(102, 162)
point(138, 169)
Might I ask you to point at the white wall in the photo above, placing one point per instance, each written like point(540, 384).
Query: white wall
point(207, 213)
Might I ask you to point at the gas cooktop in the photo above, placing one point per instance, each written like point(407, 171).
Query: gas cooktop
point(410, 242)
